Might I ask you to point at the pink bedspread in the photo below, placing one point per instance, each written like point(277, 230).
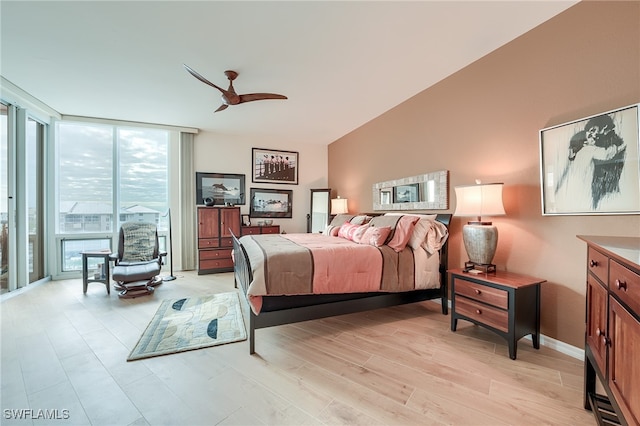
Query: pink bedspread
point(310, 264)
point(341, 266)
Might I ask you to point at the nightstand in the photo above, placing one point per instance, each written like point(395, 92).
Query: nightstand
point(504, 302)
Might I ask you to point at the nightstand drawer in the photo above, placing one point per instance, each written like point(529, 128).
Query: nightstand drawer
point(485, 314)
point(490, 295)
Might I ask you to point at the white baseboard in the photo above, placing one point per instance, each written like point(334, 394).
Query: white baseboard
point(561, 347)
point(22, 290)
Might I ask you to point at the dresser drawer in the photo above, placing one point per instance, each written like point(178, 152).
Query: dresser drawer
point(216, 264)
point(250, 230)
point(625, 284)
point(490, 295)
point(208, 243)
point(485, 314)
point(598, 264)
point(275, 229)
point(226, 242)
point(215, 254)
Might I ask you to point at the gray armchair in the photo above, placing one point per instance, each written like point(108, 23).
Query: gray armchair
point(138, 260)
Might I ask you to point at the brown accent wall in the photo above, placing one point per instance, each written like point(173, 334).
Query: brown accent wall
point(483, 123)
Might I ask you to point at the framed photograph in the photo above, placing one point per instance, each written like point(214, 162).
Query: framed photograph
point(405, 193)
point(271, 203)
point(219, 189)
point(591, 166)
point(272, 166)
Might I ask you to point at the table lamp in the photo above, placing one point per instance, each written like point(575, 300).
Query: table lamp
point(480, 237)
point(339, 206)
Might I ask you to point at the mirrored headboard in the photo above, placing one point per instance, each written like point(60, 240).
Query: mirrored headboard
point(423, 192)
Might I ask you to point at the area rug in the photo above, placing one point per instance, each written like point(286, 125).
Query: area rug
point(185, 324)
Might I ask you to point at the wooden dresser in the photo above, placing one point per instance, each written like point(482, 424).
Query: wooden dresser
point(215, 225)
point(612, 339)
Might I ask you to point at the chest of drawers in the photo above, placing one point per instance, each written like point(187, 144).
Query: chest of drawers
point(215, 227)
point(612, 337)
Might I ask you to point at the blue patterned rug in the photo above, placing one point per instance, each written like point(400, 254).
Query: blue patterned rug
point(185, 324)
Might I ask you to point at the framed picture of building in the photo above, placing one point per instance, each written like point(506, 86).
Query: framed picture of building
point(591, 166)
point(273, 166)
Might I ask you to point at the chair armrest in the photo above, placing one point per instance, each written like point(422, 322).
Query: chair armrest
point(114, 257)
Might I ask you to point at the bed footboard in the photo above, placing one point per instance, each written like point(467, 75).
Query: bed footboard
point(242, 273)
point(242, 276)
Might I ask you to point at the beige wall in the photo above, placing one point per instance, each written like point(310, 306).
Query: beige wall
point(216, 153)
point(483, 123)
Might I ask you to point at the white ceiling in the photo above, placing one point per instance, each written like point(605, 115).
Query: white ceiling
point(340, 63)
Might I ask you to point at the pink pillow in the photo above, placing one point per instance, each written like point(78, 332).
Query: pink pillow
point(403, 232)
point(356, 235)
point(375, 235)
point(345, 228)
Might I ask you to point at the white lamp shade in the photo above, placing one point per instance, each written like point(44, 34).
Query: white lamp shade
point(479, 200)
point(339, 206)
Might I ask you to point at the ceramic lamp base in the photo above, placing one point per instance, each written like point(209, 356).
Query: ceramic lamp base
point(480, 242)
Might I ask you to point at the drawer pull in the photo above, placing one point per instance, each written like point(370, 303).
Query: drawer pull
point(606, 341)
point(478, 311)
point(598, 332)
point(593, 263)
point(478, 291)
point(621, 285)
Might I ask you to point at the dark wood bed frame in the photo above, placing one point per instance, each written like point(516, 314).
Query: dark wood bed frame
point(280, 310)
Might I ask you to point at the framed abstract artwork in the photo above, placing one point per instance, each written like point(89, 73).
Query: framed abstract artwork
point(591, 166)
point(271, 203)
point(273, 166)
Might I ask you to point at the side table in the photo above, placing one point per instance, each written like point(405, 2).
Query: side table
point(104, 277)
point(504, 302)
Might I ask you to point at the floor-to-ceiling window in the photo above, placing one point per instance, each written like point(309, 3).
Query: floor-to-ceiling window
point(34, 153)
point(107, 175)
point(22, 213)
point(4, 199)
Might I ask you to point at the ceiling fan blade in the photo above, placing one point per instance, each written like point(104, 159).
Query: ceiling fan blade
point(202, 79)
point(260, 96)
point(222, 107)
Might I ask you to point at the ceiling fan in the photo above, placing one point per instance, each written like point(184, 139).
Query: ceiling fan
point(229, 96)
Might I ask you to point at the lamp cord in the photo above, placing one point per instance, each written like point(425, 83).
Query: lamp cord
point(170, 277)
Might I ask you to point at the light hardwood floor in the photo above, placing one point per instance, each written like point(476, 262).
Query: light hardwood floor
point(62, 350)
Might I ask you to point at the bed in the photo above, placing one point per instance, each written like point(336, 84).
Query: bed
point(299, 277)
